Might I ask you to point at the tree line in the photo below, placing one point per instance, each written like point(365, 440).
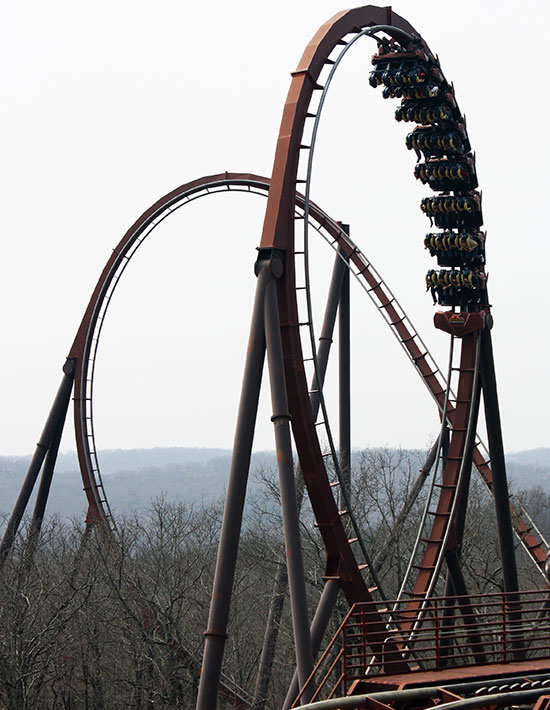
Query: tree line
point(93, 622)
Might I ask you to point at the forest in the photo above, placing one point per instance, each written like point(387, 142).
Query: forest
point(96, 621)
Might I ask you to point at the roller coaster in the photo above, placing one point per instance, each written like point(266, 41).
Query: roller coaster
point(436, 643)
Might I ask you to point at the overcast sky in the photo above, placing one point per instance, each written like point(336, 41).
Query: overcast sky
point(106, 107)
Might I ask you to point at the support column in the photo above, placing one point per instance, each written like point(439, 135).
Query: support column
point(318, 628)
point(339, 271)
point(216, 633)
point(281, 578)
point(291, 524)
point(53, 423)
point(500, 493)
point(47, 475)
point(498, 465)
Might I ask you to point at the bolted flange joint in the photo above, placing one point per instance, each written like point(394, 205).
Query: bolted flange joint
point(281, 417)
point(271, 257)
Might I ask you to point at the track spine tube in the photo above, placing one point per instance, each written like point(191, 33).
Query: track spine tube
point(216, 633)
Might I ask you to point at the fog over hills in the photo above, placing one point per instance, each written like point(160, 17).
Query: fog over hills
point(134, 477)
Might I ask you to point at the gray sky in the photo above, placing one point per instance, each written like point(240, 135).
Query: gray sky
point(105, 108)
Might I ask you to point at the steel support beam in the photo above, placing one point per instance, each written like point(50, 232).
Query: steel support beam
point(53, 425)
point(46, 477)
point(498, 465)
point(317, 630)
point(281, 578)
point(339, 271)
point(285, 464)
point(270, 637)
point(216, 632)
point(500, 487)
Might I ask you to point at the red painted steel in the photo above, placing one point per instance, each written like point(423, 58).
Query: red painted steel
point(459, 324)
point(278, 233)
point(341, 561)
point(347, 660)
point(341, 558)
point(82, 344)
point(442, 515)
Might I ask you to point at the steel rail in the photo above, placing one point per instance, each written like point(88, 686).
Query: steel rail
point(429, 693)
point(432, 576)
point(428, 501)
point(443, 509)
point(278, 233)
point(85, 349)
point(369, 278)
point(278, 226)
point(368, 31)
point(87, 338)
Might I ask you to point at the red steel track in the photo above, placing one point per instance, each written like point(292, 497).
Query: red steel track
point(284, 206)
point(278, 233)
point(341, 561)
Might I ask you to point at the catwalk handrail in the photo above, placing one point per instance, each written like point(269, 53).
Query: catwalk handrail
point(438, 646)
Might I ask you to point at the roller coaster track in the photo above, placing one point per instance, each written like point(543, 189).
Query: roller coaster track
point(285, 209)
point(279, 234)
point(84, 349)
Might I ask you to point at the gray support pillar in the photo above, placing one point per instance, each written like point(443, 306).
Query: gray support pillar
point(339, 271)
point(281, 578)
point(291, 523)
point(53, 422)
point(216, 633)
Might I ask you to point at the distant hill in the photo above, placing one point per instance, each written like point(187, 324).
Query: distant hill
point(134, 477)
point(527, 469)
point(115, 460)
